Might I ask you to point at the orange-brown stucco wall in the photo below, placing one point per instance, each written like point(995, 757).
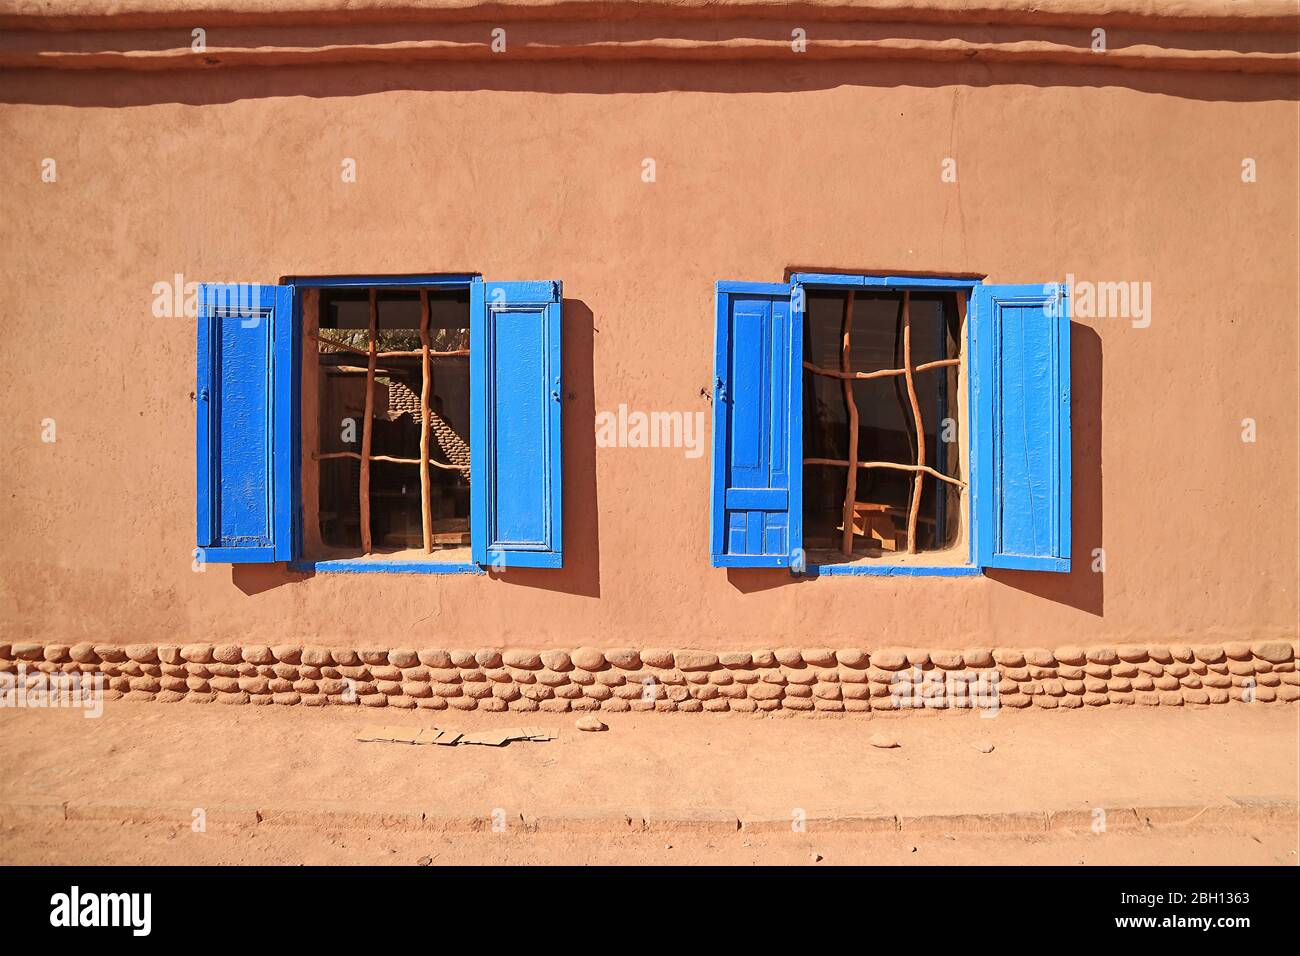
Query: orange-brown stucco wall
point(534, 171)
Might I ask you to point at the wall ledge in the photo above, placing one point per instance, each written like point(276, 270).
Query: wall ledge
point(1198, 35)
point(1279, 15)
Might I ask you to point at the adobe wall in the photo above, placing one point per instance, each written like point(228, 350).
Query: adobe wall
point(533, 170)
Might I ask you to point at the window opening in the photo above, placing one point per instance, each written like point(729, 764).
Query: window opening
point(881, 373)
point(407, 405)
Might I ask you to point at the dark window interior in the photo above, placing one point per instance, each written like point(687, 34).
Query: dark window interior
point(395, 497)
point(886, 427)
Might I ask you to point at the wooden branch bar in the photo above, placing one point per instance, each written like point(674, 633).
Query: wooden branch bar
point(388, 458)
point(882, 373)
point(915, 508)
point(840, 463)
point(367, 432)
point(426, 378)
point(357, 370)
point(415, 353)
point(851, 480)
point(938, 363)
point(419, 353)
point(344, 346)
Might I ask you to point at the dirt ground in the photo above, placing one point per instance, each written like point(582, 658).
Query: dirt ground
point(97, 844)
point(666, 768)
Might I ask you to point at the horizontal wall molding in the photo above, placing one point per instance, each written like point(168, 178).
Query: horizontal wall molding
point(1181, 14)
point(810, 681)
point(1197, 35)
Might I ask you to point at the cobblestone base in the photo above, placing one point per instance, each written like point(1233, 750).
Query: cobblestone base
point(808, 680)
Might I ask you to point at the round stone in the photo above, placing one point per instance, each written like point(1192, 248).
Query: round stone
point(818, 656)
point(528, 660)
point(889, 659)
point(656, 657)
point(852, 657)
point(947, 660)
point(439, 659)
point(228, 653)
point(624, 658)
point(588, 658)
point(484, 657)
point(557, 660)
point(695, 660)
point(403, 658)
point(1008, 657)
point(1275, 652)
point(84, 654)
point(258, 654)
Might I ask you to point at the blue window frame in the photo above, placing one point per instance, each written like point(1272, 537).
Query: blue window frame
point(517, 391)
point(249, 495)
point(246, 410)
point(1020, 461)
point(1017, 370)
point(757, 426)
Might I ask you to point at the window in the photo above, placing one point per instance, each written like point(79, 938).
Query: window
point(408, 423)
point(891, 425)
point(881, 377)
point(391, 451)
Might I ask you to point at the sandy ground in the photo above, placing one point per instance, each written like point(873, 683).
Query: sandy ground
point(662, 767)
point(103, 844)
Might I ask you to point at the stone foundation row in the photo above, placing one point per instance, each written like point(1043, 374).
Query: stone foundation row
point(622, 679)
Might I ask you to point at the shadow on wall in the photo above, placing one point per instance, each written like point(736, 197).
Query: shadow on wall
point(1082, 588)
point(256, 578)
point(752, 580)
point(581, 571)
point(120, 88)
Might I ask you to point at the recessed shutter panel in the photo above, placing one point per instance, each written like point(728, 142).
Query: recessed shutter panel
point(757, 496)
point(516, 395)
point(246, 408)
point(1020, 396)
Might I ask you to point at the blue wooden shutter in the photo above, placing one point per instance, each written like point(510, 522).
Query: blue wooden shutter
point(516, 396)
point(1020, 397)
point(757, 497)
point(247, 414)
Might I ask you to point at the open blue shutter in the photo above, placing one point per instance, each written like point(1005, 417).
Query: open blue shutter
point(247, 409)
point(516, 396)
point(1020, 396)
point(757, 497)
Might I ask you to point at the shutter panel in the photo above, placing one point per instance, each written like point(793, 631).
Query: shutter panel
point(247, 411)
point(515, 400)
point(757, 496)
point(1020, 396)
